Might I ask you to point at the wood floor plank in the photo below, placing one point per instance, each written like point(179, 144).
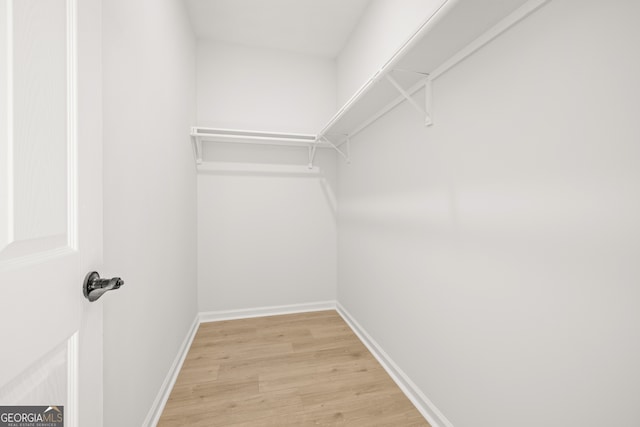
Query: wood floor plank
point(303, 369)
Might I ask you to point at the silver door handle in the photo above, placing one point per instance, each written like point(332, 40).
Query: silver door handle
point(94, 287)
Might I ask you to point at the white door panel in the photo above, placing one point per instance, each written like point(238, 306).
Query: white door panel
point(50, 203)
point(42, 135)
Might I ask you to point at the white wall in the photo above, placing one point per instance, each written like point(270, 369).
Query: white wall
point(383, 28)
point(264, 89)
point(149, 199)
point(265, 239)
point(494, 256)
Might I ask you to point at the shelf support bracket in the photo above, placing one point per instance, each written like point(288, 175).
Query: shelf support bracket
point(335, 147)
point(312, 154)
point(197, 148)
point(348, 142)
point(425, 111)
point(428, 117)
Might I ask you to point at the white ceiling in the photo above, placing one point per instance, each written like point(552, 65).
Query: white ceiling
point(317, 27)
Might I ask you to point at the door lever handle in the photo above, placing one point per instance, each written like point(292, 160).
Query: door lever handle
point(94, 287)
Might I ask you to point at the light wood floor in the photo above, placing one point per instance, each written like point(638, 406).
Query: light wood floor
point(292, 370)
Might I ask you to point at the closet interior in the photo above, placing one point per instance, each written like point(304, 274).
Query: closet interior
point(457, 178)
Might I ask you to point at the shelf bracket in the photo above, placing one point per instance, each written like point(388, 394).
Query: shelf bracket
point(348, 142)
point(426, 111)
point(335, 147)
point(197, 147)
point(428, 117)
point(312, 154)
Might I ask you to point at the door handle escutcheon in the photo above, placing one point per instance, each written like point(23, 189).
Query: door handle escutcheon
point(94, 287)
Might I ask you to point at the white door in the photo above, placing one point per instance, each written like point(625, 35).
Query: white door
point(50, 206)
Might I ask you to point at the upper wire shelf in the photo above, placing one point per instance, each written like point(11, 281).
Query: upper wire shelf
point(455, 30)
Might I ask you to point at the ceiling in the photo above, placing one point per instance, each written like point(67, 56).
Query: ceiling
point(316, 27)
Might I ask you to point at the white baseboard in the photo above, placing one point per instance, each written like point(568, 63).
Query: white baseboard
point(246, 313)
point(167, 386)
point(410, 389)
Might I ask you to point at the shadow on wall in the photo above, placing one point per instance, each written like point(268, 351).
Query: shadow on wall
point(251, 161)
